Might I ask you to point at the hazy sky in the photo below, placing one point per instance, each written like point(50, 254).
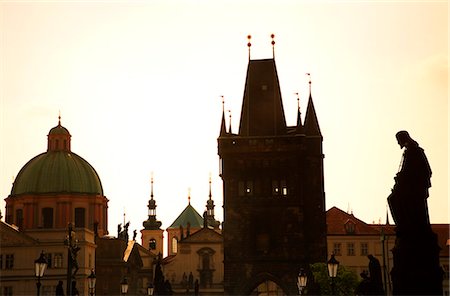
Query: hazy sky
point(138, 84)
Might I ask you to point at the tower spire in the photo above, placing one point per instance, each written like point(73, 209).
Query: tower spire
point(249, 45)
point(210, 220)
point(151, 186)
point(223, 129)
point(229, 129)
point(210, 195)
point(151, 223)
point(189, 195)
point(311, 122)
point(59, 118)
point(299, 116)
point(273, 45)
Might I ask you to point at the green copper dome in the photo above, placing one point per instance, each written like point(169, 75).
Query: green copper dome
point(57, 172)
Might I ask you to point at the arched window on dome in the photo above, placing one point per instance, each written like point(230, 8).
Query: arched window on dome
point(80, 217)
point(47, 217)
point(174, 245)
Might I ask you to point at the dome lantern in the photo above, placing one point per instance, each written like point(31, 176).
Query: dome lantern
point(58, 138)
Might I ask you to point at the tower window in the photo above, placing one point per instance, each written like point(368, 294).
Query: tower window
point(245, 188)
point(152, 244)
point(80, 214)
point(279, 187)
point(19, 218)
point(47, 217)
point(174, 245)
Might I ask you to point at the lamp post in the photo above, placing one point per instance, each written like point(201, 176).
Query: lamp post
point(301, 281)
point(124, 286)
point(332, 265)
point(150, 289)
point(91, 283)
point(40, 265)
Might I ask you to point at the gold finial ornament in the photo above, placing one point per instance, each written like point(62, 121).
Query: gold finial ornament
point(273, 44)
point(249, 44)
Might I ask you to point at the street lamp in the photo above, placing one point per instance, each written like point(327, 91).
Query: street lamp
point(124, 286)
point(301, 281)
point(150, 289)
point(91, 283)
point(39, 266)
point(332, 265)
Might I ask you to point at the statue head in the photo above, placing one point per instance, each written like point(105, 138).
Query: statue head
point(403, 138)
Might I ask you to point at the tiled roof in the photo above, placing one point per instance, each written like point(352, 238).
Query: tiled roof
point(337, 219)
point(190, 215)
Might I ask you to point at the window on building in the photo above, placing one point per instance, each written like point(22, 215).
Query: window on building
point(19, 218)
point(350, 249)
point(47, 217)
point(49, 260)
point(174, 245)
point(364, 249)
point(279, 188)
point(245, 188)
point(58, 260)
point(152, 244)
point(7, 290)
point(350, 227)
point(337, 249)
point(80, 217)
point(9, 261)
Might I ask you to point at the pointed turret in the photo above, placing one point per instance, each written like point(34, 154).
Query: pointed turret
point(311, 123)
point(210, 219)
point(262, 109)
point(299, 129)
point(223, 128)
point(152, 223)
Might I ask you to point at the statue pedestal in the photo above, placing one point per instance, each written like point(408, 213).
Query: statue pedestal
point(416, 268)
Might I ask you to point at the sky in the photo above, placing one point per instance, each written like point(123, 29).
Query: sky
point(139, 83)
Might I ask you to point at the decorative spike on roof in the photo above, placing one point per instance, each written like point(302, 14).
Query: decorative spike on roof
point(273, 45)
point(223, 129)
point(311, 123)
point(299, 129)
point(249, 45)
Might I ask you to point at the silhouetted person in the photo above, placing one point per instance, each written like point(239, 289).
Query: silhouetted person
point(191, 280)
point(59, 289)
point(408, 201)
point(375, 276)
point(74, 289)
point(196, 287)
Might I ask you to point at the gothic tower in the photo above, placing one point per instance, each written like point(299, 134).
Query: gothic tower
point(274, 200)
point(152, 234)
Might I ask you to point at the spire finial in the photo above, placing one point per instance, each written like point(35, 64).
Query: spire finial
point(273, 44)
point(59, 118)
point(151, 186)
point(309, 76)
point(210, 195)
point(298, 101)
point(249, 44)
point(189, 195)
point(223, 104)
point(229, 112)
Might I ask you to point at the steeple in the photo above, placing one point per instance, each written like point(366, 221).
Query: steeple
point(299, 129)
point(311, 123)
point(262, 109)
point(152, 223)
point(210, 219)
point(223, 129)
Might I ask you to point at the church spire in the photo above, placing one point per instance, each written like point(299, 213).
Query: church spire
point(311, 122)
point(151, 223)
point(299, 128)
point(210, 219)
point(223, 129)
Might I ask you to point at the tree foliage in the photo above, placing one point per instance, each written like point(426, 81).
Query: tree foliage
point(346, 280)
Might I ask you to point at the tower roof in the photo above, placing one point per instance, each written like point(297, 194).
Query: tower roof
point(58, 170)
point(262, 108)
point(311, 126)
point(189, 215)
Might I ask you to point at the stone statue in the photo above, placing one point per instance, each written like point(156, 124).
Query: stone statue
point(416, 269)
point(408, 200)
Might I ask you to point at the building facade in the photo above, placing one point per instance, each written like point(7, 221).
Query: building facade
point(54, 189)
point(273, 186)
